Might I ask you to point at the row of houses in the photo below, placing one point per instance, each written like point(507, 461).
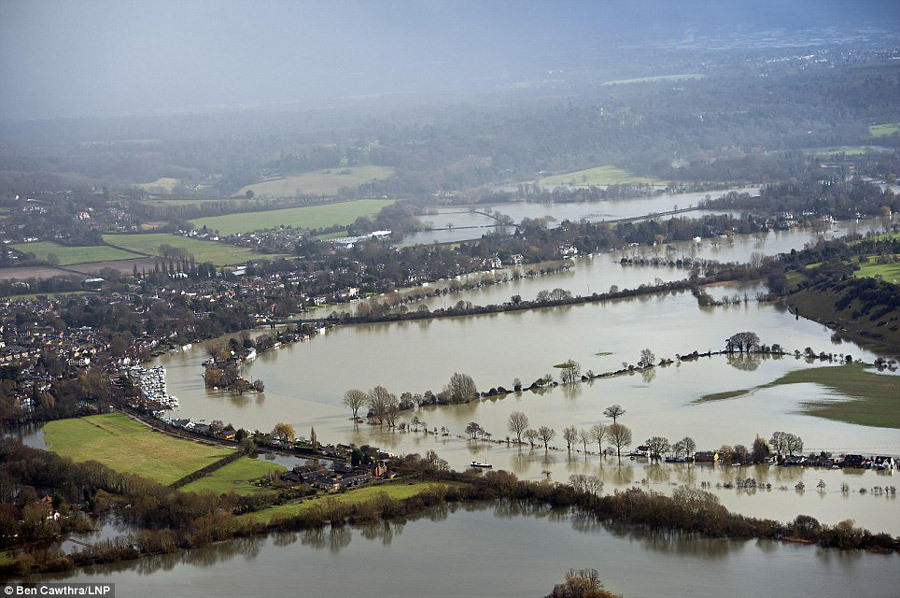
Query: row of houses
point(340, 477)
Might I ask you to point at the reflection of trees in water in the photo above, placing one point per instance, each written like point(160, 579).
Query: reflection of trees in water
point(282, 539)
point(313, 537)
point(338, 537)
point(570, 391)
point(521, 461)
point(658, 473)
point(673, 542)
point(648, 375)
point(621, 474)
point(508, 509)
point(746, 362)
point(685, 473)
point(247, 547)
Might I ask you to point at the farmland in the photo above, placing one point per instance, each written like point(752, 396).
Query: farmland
point(125, 445)
point(601, 175)
point(889, 272)
point(396, 490)
point(336, 214)
point(884, 130)
point(319, 182)
point(660, 78)
point(235, 477)
point(219, 254)
point(67, 255)
point(160, 185)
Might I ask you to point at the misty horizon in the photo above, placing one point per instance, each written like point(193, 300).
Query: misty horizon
point(97, 59)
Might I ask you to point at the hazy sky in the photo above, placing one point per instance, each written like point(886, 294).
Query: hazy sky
point(97, 57)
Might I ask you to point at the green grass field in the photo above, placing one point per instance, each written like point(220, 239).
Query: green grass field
point(128, 446)
point(335, 214)
point(320, 182)
point(884, 129)
point(887, 272)
point(235, 477)
point(34, 296)
point(847, 150)
point(601, 175)
point(219, 254)
point(160, 185)
point(74, 255)
point(655, 79)
point(199, 201)
point(397, 490)
point(875, 400)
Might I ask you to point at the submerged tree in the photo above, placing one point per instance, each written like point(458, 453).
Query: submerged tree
point(614, 412)
point(570, 372)
point(354, 399)
point(461, 388)
point(619, 437)
point(546, 434)
point(517, 424)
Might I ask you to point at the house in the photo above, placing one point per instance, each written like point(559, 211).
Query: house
point(854, 461)
point(706, 456)
point(882, 463)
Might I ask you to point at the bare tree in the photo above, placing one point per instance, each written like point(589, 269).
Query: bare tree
point(584, 436)
point(380, 401)
point(461, 388)
point(586, 483)
point(531, 435)
point(354, 399)
point(570, 373)
point(647, 358)
point(473, 430)
point(517, 424)
point(659, 446)
point(614, 411)
point(619, 437)
point(598, 434)
point(571, 435)
point(546, 435)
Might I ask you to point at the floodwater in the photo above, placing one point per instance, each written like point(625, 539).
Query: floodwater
point(498, 549)
point(464, 223)
point(596, 273)
point(305, 383)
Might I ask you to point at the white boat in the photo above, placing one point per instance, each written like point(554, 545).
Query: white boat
point(479, 464)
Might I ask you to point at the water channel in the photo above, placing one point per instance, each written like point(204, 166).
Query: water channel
point(498, 549)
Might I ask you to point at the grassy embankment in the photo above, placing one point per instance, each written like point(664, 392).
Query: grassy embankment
point(819, 303)
point(219, 254)
point(884, 130)
point(601, 175)
point(336, 214)
point(396, 490)
point(875, 400)
point(320, 182)
point(74, 255)
point(657, 79)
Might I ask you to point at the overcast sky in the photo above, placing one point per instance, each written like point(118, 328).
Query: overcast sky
point(99, 57)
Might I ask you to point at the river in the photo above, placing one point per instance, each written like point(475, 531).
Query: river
point(497, 550)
